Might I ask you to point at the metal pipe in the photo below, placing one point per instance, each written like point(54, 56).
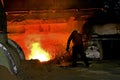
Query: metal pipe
point(3, 23)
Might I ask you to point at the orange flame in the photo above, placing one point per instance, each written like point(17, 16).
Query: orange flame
point(38, 53)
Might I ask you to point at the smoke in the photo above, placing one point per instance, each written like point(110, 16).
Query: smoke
point(51, 33)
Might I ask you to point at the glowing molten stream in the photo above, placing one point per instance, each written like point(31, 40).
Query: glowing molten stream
point(38, 53)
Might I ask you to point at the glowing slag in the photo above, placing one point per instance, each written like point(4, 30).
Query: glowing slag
point(38, 53)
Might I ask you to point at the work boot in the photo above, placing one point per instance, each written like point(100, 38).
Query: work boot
point(73, 65)
point(88, 65)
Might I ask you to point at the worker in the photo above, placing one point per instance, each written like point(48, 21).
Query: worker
point(77, 48)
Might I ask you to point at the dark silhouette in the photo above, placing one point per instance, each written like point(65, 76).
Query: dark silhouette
point(77, 48)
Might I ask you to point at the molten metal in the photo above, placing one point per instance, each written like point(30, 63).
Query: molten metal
point(38, 53)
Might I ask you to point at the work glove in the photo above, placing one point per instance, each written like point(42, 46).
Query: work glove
point(67, 49)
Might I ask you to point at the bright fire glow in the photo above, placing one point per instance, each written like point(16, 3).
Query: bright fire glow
point(38, 53)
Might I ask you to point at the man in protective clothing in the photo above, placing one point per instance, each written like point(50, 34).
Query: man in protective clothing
point(77, 48)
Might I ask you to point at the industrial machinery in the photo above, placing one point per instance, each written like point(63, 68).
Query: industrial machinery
point(10, 53)
point(103, 27)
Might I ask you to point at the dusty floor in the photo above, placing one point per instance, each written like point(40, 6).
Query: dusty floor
point(34, 70)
